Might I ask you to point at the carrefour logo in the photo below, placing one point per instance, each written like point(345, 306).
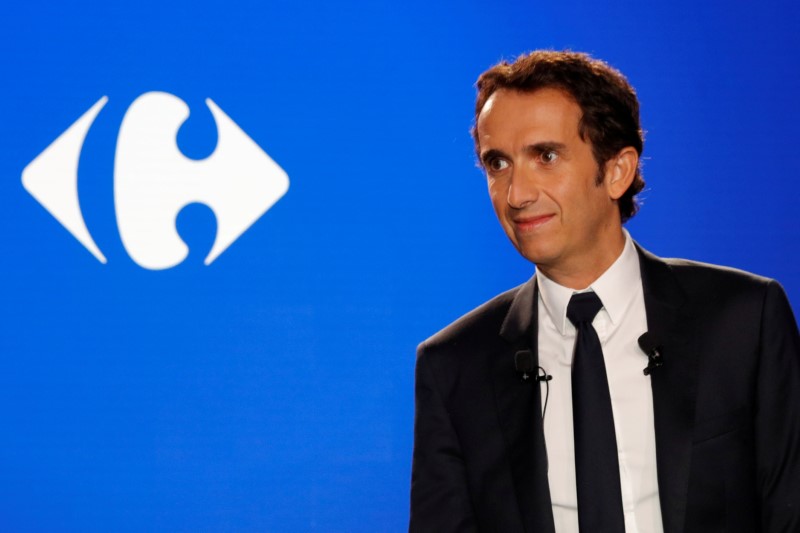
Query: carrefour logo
point(153, 180)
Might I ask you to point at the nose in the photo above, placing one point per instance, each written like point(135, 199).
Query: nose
point(522, 188)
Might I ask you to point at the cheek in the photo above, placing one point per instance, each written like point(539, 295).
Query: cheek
point(493, 186)
point(576, 199)
point(589, 210)
point(557, 196)
point(496, 196)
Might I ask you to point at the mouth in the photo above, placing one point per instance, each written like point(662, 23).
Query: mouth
point(526, 224)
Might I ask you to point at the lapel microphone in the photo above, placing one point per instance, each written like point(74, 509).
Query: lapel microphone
point(649, 345)
point(523, 362)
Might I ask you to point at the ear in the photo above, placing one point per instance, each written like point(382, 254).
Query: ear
point(620, 171)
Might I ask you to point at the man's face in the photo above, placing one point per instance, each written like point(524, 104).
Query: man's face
point(542, 180)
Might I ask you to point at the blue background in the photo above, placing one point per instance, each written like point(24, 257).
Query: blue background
point(273, 390)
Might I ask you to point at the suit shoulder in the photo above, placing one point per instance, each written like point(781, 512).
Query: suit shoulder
point(482, 322)
point(699, 276)
point(714, 288)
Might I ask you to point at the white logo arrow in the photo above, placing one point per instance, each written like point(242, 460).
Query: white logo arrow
point(52, 178)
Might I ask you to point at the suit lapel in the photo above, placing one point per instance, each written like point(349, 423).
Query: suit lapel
point(519, 411)
point(674, 386)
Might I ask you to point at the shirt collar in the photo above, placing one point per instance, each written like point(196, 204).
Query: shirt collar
point(614, 288)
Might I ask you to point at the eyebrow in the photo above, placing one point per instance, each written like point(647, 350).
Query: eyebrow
point(546, 146)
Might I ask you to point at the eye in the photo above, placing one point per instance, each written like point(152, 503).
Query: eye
point(548, 157)
point(497, 164)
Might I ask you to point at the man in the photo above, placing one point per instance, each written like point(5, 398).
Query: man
point(533, 412)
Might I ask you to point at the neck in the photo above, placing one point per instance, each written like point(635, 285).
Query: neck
point(585, 270)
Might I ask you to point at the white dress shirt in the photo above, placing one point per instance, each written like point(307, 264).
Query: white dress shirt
point(618, 324)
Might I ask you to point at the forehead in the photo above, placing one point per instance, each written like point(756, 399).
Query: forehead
point(510, 114)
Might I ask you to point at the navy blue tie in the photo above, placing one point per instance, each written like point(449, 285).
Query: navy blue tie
point(596, 461)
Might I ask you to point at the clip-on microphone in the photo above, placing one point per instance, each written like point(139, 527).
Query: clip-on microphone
point(523, 362)
point(649, 346)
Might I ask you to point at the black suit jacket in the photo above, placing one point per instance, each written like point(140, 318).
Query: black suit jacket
point(726, 406)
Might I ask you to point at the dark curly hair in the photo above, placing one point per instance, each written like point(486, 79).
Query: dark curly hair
point(609, 105)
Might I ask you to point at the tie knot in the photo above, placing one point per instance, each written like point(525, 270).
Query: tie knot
point(583, 307)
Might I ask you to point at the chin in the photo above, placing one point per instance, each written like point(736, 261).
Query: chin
point(535, 254)
point(538, 249)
